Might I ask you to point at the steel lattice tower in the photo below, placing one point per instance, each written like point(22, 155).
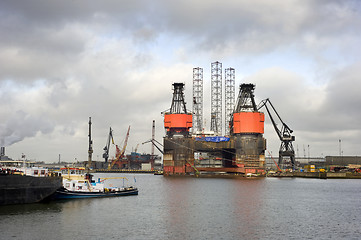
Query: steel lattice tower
point(197, 99)
point(229, 75)
point(178, 104)
point(216, 97)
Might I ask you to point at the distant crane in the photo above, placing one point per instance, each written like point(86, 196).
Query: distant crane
point(136, 148)
point(279, 169)
point(284, 134)
point(119, 153)
point(107, 146)
point(155, 142)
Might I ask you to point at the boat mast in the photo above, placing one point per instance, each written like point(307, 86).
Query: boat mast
point(90, 151)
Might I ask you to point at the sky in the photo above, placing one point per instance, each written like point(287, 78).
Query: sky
point(62, 62)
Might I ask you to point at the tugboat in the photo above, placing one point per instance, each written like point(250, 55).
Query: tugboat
point(79, 183)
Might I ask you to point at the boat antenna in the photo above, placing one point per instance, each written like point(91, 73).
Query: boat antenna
point(90, 151)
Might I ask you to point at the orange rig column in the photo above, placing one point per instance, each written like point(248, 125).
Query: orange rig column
point(178, 153)
point(247, 128)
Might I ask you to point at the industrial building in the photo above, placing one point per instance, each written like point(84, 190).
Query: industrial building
point(342, 161)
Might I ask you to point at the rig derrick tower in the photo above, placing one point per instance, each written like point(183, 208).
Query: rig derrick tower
point(197, 100)
point(229, 97)
point(216, 97)
point(247, 128)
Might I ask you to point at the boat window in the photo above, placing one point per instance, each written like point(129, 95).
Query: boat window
point(73, 184)
point(67, 185)
point(35, 172)
point(42, 172)
point(72, 172)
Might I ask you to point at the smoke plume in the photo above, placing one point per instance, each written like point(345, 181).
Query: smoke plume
point(22, 125)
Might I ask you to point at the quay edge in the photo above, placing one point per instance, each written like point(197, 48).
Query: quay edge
point(322, 175)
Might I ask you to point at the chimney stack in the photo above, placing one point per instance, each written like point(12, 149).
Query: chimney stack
point(2, 151)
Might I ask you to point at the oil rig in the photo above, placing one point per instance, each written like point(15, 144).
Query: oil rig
point(240, 151)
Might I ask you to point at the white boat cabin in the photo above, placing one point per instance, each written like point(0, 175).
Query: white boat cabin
point(37, 172)
point(74, 179)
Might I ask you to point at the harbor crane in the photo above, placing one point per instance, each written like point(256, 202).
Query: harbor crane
point(153, 141)
point(284, 134)
point(107, 146)
point(120, 153)
point(136, 148)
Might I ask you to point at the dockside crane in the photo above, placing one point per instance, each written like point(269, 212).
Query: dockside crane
point(155, 142)
point(136, 148)
point(107, 146)
point(120, 153)
point(284, 134)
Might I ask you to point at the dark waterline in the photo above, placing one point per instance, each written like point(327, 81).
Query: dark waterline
point(205, 208)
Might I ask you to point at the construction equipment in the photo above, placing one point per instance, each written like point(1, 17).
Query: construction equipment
point(279, 169)
point(284, 134)
point(120, 153)
point(107, 146)
point(136, 148)
point(153, 141)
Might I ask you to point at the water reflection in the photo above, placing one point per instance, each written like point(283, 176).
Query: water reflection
point(212, 208)
point(246, 197)
point(20, 209)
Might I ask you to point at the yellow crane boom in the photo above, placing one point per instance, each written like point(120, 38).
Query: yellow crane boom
point(120, 154)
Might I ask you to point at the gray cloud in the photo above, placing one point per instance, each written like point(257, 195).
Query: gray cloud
point(62, 62)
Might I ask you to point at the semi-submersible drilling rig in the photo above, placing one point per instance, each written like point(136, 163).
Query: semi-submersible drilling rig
point(241, 152)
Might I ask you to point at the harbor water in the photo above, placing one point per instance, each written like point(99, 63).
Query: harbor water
point(198, 208)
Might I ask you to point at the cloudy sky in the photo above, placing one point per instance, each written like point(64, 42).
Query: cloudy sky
point(64, 61)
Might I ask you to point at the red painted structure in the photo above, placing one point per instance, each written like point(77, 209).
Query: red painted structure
point(177, 123)
point(248, 122)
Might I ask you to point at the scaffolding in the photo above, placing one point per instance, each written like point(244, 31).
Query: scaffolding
point(197, 99)
point(216, 97)
point(229, 97)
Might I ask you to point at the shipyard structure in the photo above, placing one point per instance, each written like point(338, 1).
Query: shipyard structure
point(241, 151)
